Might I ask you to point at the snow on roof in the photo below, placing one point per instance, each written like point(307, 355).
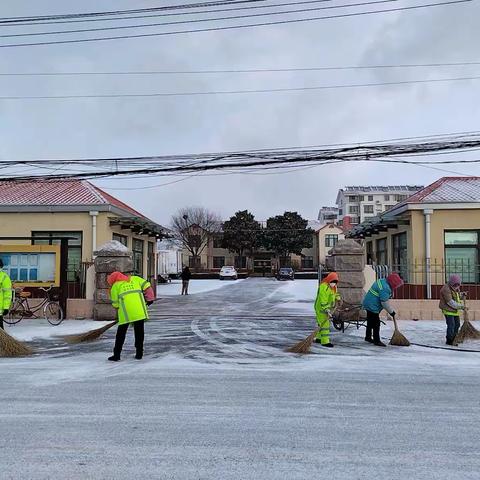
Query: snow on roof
point(449, 190)
point(382, 188)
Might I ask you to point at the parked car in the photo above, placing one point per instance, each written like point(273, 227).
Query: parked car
point(286, 273)
point(228, 273)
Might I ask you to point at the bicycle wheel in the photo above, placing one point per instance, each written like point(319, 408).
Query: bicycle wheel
point(53, 313)
point(16, 313)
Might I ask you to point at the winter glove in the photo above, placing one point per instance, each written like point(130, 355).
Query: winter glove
point(5, 312)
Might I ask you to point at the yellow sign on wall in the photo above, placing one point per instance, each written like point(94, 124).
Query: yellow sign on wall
point(32, 265)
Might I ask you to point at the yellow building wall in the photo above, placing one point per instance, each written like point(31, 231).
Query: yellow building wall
point(441, 220)
point(322, 249)
point(23, 224)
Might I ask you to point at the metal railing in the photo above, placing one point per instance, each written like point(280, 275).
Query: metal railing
point(417, 274)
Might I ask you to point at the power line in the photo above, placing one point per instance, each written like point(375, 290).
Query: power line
point(234, 27)
point(156, 15)
point(245, 70)
point(124, 12)
point(238, 92)
point(189, 164)
point(198, 20)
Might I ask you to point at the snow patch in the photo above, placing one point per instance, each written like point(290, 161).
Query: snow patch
point(113, 246)
point(195, 286)
point(28, 330)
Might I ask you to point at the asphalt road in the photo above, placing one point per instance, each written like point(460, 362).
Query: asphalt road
point(216, 397)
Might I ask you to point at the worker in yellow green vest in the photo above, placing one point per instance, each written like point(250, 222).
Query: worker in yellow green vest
point(327, 296)
point(5, 293)
point(451, 304)
point(130, 295)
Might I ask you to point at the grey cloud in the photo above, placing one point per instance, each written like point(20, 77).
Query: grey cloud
point(135, 127)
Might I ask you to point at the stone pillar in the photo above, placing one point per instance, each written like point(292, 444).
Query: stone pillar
point(113, 256)
point(347, 258)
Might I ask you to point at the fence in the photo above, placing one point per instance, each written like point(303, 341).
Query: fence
point(417, 276)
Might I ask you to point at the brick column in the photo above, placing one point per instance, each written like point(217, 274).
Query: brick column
point(347, 258)
point(106, 262)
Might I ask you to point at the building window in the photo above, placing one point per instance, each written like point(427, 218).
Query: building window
point(386, 198)
point(340, 211)
point(354, 220)
point(120, 238)
point(218, 241)
point(399, 198)
point(382, 257)
point(354, 209)
point(361, 198)
point(218, 262)
point(137, 249)
point(400, 254)
point(150, 261)
point(369, 249)
point(74, 250)
point(194, 262)
point(352, 198)
point(307, 262)
point(368, 209)
point(240, 262)
point(331, 240)
point(388, 207)
point(462, 248)
point(370, 198)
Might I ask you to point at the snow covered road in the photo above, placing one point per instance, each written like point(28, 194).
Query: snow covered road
point(216, 397)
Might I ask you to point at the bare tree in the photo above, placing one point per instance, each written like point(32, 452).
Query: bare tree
point(193, 227)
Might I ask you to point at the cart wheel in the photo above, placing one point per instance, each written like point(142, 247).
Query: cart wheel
point(338, 325)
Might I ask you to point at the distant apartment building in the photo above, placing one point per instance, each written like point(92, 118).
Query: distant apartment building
point(359, 203)
point(328, 215)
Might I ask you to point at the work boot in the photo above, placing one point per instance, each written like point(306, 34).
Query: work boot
point(449, 342)
point(114, 358)
point(379, 343)
point(139, 355)
point(329, 345)
point(317, 340)
point(369, 340)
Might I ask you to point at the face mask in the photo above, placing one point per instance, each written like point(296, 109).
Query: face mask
point(333, 285)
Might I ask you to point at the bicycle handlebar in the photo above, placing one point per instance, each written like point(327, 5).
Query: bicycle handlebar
point(47, 289)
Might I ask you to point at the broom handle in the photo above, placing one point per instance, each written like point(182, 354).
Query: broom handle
point(394, 322)
point(465, 311)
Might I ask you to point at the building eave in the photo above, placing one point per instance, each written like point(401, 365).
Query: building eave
point(444, 206)
point(55, 208)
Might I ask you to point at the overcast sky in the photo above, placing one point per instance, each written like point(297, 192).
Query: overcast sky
point(79, 128)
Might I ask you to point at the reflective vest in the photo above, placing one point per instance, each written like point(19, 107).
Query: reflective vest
point(326, 298)
point(127, 297)
point(6, 292)
point(380, 292)
point(456, 298)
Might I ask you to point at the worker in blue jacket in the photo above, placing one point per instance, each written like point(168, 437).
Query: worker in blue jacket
point(376, 300)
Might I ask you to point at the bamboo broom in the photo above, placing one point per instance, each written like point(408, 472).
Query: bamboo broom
point(304, 346)
point(89, 336)
point(467, 330)
point(10, 347)
point(398, 339)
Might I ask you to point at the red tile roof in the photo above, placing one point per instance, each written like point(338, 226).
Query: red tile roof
point(59, 193)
